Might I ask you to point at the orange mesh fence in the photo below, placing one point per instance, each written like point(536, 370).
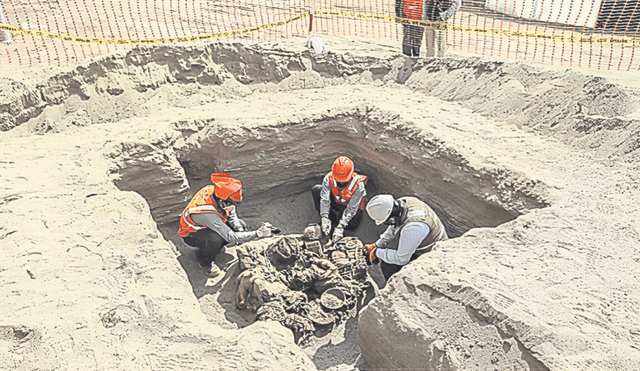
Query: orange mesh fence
point(592, 34)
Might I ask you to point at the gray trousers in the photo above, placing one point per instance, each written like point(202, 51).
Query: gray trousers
point(436, 41)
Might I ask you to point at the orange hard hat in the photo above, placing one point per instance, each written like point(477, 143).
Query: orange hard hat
point(227, 187)
point(342, 169)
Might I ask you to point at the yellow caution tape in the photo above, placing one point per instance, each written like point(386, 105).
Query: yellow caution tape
point(568, 38)
point(122, 41)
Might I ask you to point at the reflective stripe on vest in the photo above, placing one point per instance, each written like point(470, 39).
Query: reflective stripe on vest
point(343, 197)
point(413, 9)
point(198, 210)
point(202, 202)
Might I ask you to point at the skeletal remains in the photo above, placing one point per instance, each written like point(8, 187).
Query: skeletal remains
point(302, 284)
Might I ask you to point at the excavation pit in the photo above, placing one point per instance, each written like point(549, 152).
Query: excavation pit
point(280, 163)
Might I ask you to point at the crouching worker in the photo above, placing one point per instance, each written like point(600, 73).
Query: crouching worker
point(340, 199)
point(413, 229)
point(209, 222)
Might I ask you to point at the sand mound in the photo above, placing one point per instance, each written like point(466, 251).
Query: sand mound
point(533, 171)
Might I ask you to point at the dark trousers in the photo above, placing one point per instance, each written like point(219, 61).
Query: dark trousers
point(411, 40)
point(209, 244)
point(335, 209)
point(389, 270)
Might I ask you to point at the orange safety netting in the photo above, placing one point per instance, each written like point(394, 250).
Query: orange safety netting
point(592, 34)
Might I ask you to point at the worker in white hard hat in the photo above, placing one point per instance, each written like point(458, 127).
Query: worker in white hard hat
point(413, 230)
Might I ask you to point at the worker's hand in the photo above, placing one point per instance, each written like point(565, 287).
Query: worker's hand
point(237, 226)
point(265, 230)
point(5, 37)
point(326, 226)
point(338, 233)
point(449, 12)
point(370, 254)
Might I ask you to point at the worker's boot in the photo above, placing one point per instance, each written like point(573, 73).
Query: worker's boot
point(212, 270)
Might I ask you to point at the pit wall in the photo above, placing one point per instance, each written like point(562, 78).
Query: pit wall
point(409, 162)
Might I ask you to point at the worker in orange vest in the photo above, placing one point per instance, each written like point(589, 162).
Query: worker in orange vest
point(340, 199)
point(209, 222)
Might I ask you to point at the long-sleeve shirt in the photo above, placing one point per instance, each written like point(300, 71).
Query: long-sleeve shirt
point(410, 238)
point(352, 205)
point(233, 221)
point(214, 222)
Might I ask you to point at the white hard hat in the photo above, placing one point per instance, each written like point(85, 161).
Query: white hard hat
point(379, 208)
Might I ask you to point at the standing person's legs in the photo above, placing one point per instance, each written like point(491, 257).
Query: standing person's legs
point(430, 41)
point(411, 40)
point(209, 244)
point(406, 44)
point(441, 35)
point(416, 40)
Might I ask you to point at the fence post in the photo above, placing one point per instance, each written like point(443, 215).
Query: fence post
point(5, 36)
point(313, 10)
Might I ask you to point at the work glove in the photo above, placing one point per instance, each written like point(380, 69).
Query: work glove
point(370, 254)
point(338, 233)
point(265, 230)
point(326, 226)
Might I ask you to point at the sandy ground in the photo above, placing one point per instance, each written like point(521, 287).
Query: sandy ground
point(91, 282)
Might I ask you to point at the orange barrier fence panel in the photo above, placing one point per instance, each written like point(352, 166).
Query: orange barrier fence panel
point(592, 34)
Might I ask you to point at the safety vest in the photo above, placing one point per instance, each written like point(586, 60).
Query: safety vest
point(413, 9)
point(202, 202)
point(418, 211)
point(343, 197)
